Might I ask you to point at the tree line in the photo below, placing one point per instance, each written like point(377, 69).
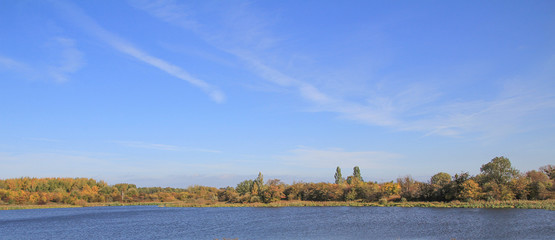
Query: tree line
point(497, 180)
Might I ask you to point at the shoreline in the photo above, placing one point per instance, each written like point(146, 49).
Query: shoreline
point(515, 204)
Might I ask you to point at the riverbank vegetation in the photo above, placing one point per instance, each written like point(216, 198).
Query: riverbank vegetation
point(498, 185)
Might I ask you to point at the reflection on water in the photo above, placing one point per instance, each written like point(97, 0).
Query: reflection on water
point(150, 222)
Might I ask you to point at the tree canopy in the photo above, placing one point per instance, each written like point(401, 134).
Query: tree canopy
point(498, 170)
point(338, 177)
point(498, 180)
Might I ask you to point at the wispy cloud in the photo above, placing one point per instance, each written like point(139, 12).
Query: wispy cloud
point(168, 11)
point(517, 108)
point(67, 60)
point(406, 108)
point(71, 60)
point(77, 16)
point(247, 35)
point(11, 64)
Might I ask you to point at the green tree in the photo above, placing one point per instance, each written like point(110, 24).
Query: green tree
point(259, 180)
point(258, 185)
point(338, 177)
point(441, 179)
point(368, 191)
point(356, 173)
point(244, 187)
point(455, 187)
point(549, 170)
point(498, 170)
point(438, 187)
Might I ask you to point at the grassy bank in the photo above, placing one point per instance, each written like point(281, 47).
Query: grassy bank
point(17, 207)
point(521, 204)
point(28, 206)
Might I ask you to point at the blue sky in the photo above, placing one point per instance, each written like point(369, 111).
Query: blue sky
point(175, 93)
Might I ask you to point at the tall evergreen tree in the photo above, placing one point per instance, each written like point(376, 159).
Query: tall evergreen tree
point(338, 177)
point(258, 185)
point(356, 173)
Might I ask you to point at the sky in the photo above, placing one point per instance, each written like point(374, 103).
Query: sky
point(180, 93)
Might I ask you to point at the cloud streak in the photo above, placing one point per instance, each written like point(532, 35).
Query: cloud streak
point(11, 64)
point(408, 108)
point(176, 14)
point(79, 17)
point(68, 60)
point(71, 60)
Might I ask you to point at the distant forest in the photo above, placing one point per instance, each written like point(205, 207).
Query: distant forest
point(497, 180)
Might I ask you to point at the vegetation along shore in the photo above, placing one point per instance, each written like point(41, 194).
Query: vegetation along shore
point(498, 185)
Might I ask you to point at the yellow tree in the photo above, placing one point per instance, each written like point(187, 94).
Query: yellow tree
point(470, 190)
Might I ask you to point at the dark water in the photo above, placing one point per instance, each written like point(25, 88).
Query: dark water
point(150, 222)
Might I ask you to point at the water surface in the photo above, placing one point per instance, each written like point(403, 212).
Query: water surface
point(151, 222)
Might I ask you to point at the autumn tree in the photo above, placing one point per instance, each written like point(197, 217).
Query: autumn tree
point(519, 187)
point(273, 191)
point(410, 189)
point(389, 188)
point(469, 190)
point(228, 195)
point(538, 185)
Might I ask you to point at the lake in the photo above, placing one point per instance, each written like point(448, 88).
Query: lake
point(151, 222)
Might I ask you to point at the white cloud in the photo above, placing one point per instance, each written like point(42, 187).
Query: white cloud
point(81, 19)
